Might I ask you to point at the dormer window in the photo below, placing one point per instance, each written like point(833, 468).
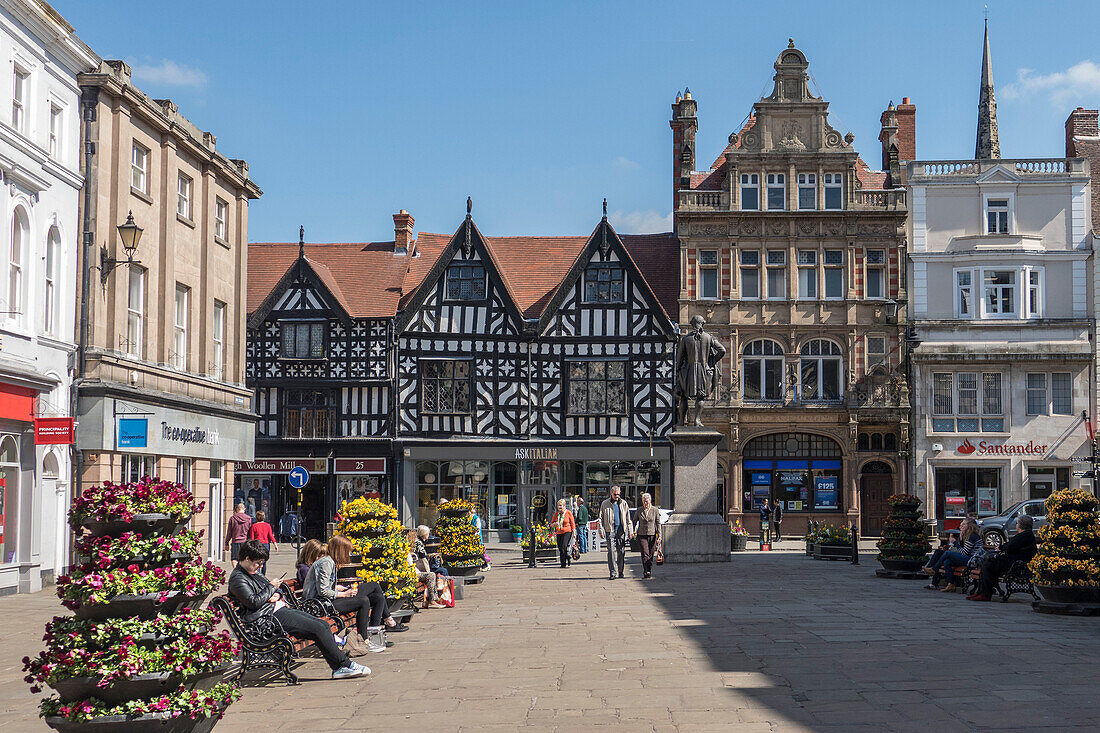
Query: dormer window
point(604, 284)
point(466, 281)
point(302, 340)
point(996, 216)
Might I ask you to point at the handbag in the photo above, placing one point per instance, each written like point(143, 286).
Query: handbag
point(446, 591)
point(575, 551)
point(659, 555)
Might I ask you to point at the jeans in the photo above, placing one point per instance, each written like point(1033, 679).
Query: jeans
point(369, 604)
point(304, 626)
point(564, 540)
point(948, 561)
point(582, 537)
point(933, 562)
point(648, 543)
point(616, 554)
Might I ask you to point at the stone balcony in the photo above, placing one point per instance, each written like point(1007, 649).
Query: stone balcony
point(864, 200)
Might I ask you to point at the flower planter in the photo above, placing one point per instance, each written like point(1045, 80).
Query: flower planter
point(738, 542)
point(141, 560)
point(464, 569)
point(832, 552)
point(1069, 594)
point(139, 686)
point(901, 566)
point(146, 525)
point(144, 606)
point(150, 723)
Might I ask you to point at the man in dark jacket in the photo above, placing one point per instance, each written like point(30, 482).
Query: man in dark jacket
point(258, 597)
point(777, 519)
point(1021, 547)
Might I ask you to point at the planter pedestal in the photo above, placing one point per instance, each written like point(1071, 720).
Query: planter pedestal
point(1067, 601)
point(832, 552)
point(738, 542)
point(900, 569)
point(695, 532)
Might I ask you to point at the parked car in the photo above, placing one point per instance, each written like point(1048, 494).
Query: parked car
point(997, 530)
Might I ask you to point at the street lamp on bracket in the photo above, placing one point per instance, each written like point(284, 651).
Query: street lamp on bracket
point(130, 234)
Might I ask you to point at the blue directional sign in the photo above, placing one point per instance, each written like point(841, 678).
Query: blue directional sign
point(299, 477)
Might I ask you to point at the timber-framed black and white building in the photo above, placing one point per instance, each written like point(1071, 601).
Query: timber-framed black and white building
point(493, 369)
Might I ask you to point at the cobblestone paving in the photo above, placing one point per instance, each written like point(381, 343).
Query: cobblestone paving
point(770, 642)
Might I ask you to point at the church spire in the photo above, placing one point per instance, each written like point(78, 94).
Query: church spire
point(988, 145)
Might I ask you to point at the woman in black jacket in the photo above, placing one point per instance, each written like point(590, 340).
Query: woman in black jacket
point(1021, 547)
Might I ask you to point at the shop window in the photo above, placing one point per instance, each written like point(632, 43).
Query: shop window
point(9, 496)
point(966, 490)
point(466, 281)
point(184, 468)
point(708, 274)
point(135, 468)
point(302, 340)
point(597, 388)
point(309, 413)
point(762, 371)
point(820, 367)
point(446, 386)
point(604, 284)
point(800, 471)
point(750, 274)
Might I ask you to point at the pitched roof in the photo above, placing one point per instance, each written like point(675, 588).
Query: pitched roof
point(365, 278)
point(869, 179)
point(658, 259)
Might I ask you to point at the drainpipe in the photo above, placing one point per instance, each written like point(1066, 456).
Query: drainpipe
point(89, 98)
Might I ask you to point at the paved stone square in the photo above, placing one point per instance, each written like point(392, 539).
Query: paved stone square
point(770, 642)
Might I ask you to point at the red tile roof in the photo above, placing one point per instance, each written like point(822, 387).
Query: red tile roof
point(710, 181)
point(365, 278)
point(371, 282)
point(869, 179)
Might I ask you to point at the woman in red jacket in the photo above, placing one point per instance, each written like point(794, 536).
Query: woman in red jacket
point(261, 532)
point(562, 525)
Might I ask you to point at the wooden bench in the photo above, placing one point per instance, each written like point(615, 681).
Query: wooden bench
point(1017, 579)
point(322, 609)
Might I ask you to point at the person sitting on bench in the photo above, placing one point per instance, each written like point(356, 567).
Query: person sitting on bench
point(259, 598)
point(970, 544)
point(1022, 547)
point(368, 600)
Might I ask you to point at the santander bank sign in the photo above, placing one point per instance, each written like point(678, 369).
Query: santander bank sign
point(983, 448)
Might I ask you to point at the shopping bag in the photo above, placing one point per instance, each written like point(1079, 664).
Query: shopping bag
point(446, 589)
point(659, 554)
point(575, 550)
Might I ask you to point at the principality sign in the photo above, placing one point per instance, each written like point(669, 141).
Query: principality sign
point(53, 431)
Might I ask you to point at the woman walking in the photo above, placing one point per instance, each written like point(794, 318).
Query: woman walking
point(647, 529)
point(562, 525)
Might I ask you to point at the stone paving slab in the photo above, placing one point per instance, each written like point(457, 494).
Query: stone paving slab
point(770, 642)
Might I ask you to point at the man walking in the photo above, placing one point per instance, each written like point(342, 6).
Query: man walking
point(582, 524)
point(616, 530)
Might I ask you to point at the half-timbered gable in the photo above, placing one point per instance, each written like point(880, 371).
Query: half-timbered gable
point(502, 356)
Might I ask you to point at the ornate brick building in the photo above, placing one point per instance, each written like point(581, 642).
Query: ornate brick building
point(793, 249)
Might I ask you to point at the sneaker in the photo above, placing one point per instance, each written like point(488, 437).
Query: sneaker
point(399, 627)
point(930, 586)
point(487, 567)
point(353, 669)
point(620, 575)
point(611, 577)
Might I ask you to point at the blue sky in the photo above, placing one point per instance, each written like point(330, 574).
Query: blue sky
point(349, 111)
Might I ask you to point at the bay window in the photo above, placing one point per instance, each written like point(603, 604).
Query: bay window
point(1012, 292)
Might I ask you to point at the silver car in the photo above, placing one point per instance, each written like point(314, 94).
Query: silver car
point(997, 530)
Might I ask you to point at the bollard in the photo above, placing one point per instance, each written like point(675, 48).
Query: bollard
point(855, 545)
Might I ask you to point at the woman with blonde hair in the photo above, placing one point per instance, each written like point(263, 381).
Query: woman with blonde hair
point(970, 544)
point(367, 600)
point(423, 572)
point(312, 550)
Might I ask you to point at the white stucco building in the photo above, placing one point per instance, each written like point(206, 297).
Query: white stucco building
point(40, 184)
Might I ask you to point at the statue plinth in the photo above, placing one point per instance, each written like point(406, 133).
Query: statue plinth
point(695, 532)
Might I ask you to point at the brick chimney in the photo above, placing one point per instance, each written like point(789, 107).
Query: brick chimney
point(906, 114)
point(402, 233)
point(1081, 123)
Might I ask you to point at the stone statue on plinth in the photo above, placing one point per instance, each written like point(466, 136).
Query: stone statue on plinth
point(695, 532)
point(697, 356)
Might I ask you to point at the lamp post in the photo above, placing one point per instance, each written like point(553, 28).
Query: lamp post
point(130, 234)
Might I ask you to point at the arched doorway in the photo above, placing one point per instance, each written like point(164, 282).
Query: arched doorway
point(876, 484)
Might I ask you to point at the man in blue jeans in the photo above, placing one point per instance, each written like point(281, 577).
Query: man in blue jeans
point(582, 525)
point(616, 531)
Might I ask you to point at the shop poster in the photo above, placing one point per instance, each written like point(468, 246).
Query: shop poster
point(825, 492)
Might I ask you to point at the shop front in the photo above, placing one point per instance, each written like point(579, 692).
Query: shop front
point(503, 480)
point(265, 484)
point(123, 440)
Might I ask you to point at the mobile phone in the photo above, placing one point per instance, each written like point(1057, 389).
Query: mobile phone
point(281, 576)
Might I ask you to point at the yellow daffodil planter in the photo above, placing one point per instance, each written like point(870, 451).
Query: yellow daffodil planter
point(1066, 568)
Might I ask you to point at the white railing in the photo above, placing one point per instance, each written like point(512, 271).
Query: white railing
point(1021, 166)
point(893, 198)
point(708, 200)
